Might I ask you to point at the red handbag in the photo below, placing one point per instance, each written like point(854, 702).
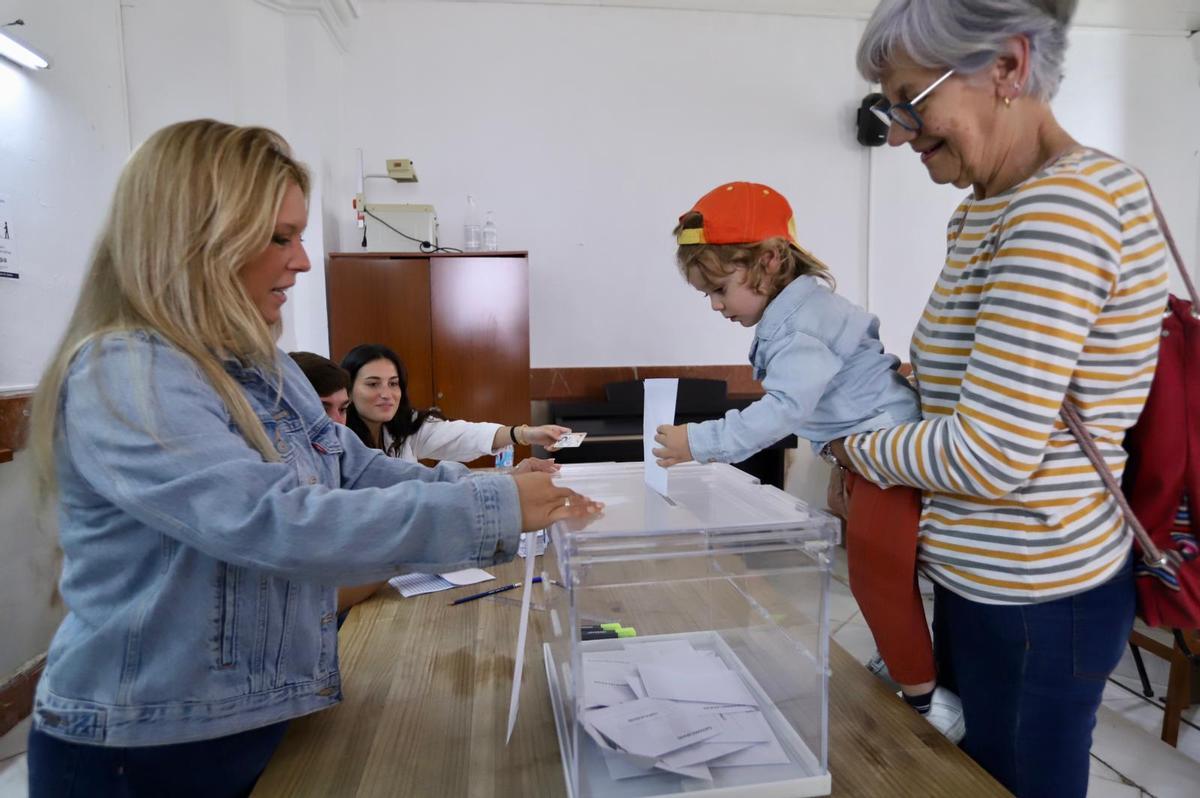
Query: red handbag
point(1162, 476)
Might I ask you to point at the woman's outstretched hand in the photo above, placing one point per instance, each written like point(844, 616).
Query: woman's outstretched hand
point(543, 502)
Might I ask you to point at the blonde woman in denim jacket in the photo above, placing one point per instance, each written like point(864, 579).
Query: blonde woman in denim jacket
point(206, 504)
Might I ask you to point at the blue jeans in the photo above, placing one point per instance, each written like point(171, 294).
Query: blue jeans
point(1031, 678)
point(223, 767)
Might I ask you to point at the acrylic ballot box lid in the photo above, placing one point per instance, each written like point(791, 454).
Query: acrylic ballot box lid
point(724, 582)
point(712, 498)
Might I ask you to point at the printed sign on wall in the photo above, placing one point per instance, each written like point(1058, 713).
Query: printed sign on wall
point(8, 257)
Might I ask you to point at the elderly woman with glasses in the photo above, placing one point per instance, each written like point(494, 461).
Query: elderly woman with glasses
point(1052, 291)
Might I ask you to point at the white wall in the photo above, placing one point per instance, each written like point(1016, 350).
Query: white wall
point(244, 62)
point(1136, 96)
point(63, 137)
point(589, 130)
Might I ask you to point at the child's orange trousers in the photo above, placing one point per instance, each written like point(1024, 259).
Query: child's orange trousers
point(881, 549)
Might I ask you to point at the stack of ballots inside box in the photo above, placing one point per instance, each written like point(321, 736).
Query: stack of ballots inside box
point(655, 706)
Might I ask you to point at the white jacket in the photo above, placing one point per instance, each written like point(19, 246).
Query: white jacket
point(438, 439)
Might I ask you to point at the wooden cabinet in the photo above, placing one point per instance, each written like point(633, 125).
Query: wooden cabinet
point(459, 322)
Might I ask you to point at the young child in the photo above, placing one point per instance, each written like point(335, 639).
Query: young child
point(826, 376)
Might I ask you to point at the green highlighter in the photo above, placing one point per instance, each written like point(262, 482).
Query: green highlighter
point(607, 631)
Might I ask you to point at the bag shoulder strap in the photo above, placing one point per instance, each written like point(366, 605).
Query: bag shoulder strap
point(1151, 554)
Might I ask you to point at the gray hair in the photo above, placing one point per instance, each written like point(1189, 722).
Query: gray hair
point(966, 35)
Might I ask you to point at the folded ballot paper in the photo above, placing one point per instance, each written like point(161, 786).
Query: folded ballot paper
point(666, 706)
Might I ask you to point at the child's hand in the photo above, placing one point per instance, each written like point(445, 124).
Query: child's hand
point(673, 445)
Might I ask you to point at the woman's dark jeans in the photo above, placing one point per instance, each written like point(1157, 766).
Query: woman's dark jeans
point(220, 768)
point(1031, 678)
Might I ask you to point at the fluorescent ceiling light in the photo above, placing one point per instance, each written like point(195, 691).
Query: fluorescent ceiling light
point(22, 54)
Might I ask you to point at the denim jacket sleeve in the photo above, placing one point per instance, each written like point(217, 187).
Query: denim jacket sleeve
point(798, 368)
point(146, 431)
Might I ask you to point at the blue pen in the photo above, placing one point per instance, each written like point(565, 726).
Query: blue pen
point(491, 592)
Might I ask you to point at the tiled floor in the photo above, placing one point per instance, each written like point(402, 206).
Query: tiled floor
point(12, 762)
point(1128, 759)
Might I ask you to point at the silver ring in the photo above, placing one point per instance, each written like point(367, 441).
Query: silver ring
point(567, 502)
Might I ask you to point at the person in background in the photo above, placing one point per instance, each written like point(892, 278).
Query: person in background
point(382, 415)
point(205, 502)
point(825, 375)
point(1052, 291)
point(329, 380)
point(332, 383)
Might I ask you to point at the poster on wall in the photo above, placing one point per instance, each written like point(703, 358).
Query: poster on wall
point(8, 257)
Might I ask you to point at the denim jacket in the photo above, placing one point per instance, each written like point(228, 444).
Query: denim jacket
point(200, 578)
point(825, 374)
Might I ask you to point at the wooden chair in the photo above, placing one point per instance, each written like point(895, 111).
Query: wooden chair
point(1181, 648)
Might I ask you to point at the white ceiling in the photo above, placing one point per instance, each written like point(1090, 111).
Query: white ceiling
point(1142, 15)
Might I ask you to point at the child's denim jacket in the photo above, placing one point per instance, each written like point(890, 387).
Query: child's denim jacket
point(199, 578)
point(825, 374)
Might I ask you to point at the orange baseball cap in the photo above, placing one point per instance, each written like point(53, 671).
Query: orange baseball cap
point(741, 213)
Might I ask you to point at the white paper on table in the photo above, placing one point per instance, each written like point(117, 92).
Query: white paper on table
point(411, 585)
point(467, 576)
point(635, 684)
point(706, 685)
point(514, 700)
point(659, 409)
point(648, 727)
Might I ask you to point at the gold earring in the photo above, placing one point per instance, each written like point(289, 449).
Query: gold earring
point(1007, 102)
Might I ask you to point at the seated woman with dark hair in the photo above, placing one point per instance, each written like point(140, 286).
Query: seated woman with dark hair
point(382, 415)
point(330, 381)
point(332, 384)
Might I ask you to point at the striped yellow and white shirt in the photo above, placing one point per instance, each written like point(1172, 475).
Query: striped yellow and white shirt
point(1055, 288)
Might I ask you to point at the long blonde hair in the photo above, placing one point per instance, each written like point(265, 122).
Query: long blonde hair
point(193, 205)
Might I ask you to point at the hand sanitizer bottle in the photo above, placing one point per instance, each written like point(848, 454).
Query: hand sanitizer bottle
point(504, 457)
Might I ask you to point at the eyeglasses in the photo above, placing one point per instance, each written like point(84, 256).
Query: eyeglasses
point(905, 114)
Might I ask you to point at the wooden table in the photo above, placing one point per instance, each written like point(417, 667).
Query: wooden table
point(426, 706)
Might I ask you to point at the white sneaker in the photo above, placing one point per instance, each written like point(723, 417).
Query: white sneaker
point(946, 714)
point(879, 668)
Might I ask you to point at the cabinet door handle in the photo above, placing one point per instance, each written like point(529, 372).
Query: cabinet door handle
point(440, 395)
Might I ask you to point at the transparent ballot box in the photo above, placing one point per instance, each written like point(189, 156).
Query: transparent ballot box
point(721, 686)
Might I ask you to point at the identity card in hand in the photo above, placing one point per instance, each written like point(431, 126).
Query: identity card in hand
point(568, 441)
